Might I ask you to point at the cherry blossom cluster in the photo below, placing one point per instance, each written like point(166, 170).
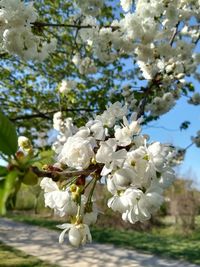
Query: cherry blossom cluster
point(152, 32)
point(160, 36)
point(196, 139)
point(90, 7)
point(16, 36)
point(161, 105)
point(195, 99)
point(85, 65)
point(66, 86)
point(112, 147)
point(176, 156)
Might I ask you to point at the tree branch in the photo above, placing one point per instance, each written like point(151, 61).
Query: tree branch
point(76, 26)
point(174, 34)
point(147, 91)
point(197, 40)
point(3, 54)
point(45, 116)
point(63, 175)
point(30, 116)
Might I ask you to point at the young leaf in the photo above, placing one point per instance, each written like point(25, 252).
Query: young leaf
point(7, 188)
point(45, 157)
point(8, 136)
point(185, 125)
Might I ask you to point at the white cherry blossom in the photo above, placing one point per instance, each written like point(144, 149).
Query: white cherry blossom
point(78, 234)
point(77, 152)
point(59, 200)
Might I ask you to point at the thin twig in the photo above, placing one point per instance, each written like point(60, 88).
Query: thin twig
point(189, 146)
point(76, 26)
point(174, 34)
point(161, 127)
point(45, 115)
point(197, 40)
point(147, 91)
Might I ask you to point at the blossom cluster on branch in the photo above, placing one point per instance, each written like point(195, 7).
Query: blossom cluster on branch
point(196, 139)
point(112, 147)
point(160, 37)
point(16, 33)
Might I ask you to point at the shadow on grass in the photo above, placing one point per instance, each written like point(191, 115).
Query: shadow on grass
point(173, 246)
point(11, 257)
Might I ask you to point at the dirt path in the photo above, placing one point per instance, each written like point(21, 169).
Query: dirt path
point(43, 243)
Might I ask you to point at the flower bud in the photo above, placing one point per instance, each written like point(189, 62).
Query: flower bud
point(19, 155)
point(24, 143)
point(73, 188)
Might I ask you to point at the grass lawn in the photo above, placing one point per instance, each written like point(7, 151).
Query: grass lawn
point(163, 241)
point(10, 257)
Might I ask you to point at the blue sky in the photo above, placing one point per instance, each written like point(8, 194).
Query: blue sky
point(166, 130)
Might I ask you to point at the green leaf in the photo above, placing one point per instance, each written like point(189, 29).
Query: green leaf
point(8, 136)
point(7, 188)
point(185, 125)
point(45, 157)
point(3, 171)
point(191, 87)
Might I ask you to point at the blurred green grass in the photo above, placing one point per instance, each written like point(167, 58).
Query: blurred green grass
point(10, 257)
point(169, 241)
